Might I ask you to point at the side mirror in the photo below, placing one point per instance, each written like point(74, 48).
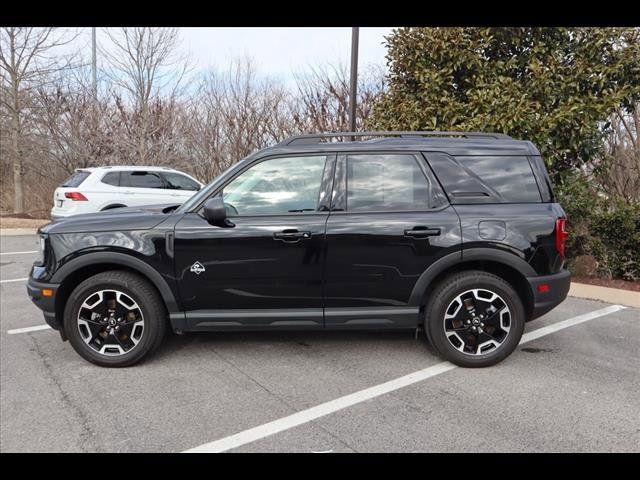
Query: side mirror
point(216, 213)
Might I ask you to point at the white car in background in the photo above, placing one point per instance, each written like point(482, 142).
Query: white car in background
point(91, 190)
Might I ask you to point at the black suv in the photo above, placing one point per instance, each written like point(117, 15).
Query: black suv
point(454, 232)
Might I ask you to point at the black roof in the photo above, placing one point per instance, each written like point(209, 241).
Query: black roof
point(453, 143)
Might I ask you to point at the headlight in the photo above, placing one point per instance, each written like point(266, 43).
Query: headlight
point(41, 247)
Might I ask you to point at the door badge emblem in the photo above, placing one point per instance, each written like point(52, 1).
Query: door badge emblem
point(197, 268)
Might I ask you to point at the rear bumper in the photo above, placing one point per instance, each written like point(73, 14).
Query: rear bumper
point(46, 304)
point(558, 287)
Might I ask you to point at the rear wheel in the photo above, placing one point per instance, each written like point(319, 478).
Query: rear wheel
point(474, 319)
point(114, 319)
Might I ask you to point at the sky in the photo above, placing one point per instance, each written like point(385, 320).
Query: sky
point(277, 52)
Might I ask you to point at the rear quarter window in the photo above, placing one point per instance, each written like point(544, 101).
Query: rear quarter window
point(179, 182)
point(486, 179)
point(76, 179)
point(112, 178)
point(511, 177)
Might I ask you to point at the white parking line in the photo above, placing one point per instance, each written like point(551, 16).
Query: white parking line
point(305, 416)
point(15, 280)
point(18, 253)
point(28, 329)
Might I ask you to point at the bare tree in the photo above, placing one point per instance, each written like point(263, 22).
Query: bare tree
point(144, 63)
point(621, 173)
point(322, 100)
point(73, 128)
point(145, 116)
point(26, 60)
point(233, 114)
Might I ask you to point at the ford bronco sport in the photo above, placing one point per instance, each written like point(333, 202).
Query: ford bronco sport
point(454, 232)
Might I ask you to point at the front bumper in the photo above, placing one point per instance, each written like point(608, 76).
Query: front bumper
point(46, 304)
point(556, 290)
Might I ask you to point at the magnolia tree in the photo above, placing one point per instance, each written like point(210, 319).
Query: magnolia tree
point(554, 86)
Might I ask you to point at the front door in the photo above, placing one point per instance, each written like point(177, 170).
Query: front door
point(389, 222)
point(266, 270)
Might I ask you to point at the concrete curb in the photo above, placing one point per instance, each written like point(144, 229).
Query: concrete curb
point(605, 294)
point(12, 232)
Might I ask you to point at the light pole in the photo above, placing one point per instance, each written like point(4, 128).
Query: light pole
point(93, 62)
point(354, 78)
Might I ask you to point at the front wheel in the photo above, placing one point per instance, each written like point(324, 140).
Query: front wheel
point(114, 319)
point(474, 319)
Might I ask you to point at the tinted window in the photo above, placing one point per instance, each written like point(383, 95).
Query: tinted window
point(142, 180)
point(511, 177)
point(76, 179)
point(277, 186)
point(386, 182)
point(544, 184)
point(112, 178)
point(179, 182)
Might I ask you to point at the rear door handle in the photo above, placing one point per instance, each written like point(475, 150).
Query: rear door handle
point(291, 236)
point(422, 232)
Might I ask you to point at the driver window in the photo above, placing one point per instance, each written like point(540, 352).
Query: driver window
point(280, 186)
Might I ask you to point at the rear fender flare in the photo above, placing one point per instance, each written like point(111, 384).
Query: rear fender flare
point(467, 255)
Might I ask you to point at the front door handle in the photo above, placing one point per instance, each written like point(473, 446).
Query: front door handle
point(422, 232)
point(291, 236)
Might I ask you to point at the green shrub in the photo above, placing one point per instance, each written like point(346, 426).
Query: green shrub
point(607, 229)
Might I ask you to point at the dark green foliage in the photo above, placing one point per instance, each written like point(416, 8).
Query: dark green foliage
point(554, 86)
point(549, 85)
point(608, 230)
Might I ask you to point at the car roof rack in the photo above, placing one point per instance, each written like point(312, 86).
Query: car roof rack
point(318, 137)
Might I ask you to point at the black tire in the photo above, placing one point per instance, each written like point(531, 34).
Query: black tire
point(138, 289)
point(446, 292)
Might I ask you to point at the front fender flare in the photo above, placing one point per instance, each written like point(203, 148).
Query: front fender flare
point(120, 259)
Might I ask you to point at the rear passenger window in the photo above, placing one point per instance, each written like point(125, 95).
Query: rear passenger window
point(112, 178)
point(511, 177)
point(142, 180)
point(386, 182)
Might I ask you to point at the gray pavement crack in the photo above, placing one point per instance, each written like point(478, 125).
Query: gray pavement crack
point(87, 434)
point(278, 397)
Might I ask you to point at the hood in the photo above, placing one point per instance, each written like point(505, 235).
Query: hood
point(126, 218)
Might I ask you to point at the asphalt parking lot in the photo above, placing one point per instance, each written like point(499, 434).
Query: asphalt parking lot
point(574, 387)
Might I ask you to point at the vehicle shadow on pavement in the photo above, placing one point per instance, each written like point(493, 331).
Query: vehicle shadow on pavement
point(295, 340)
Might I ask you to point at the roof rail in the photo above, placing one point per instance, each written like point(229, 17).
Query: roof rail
point(318, 137)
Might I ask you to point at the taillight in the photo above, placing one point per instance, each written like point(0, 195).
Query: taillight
point(561, 235)
point(75, 196)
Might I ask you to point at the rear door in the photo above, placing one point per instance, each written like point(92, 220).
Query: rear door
point(389, 222)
